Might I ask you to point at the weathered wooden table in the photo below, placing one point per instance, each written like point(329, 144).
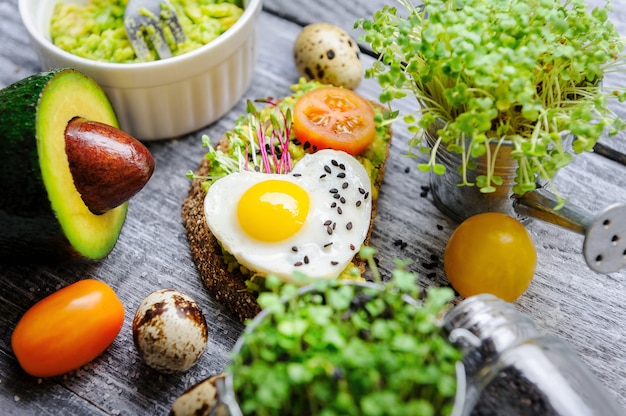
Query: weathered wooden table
point(566, 298)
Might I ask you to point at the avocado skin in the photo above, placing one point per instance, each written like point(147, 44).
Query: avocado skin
point(23, 193)
point(29, 227)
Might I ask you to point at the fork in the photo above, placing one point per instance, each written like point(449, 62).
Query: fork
point(147, 18)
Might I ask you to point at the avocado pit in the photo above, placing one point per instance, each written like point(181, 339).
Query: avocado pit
point(108, 165)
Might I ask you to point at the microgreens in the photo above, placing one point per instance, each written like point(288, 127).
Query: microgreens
point(525, 72)
point(342, 348)
point(273, 138)
point(254, 144)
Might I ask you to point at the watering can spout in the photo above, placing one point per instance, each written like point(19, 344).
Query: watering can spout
point(604, 246)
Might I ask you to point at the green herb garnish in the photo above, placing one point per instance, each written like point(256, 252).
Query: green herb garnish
point(261, 140)
point(346, 349)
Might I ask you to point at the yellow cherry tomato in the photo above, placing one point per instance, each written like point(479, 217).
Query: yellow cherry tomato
point(490, 253)
point(68, 328)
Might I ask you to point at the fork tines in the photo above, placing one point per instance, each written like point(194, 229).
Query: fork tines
point(147, 18)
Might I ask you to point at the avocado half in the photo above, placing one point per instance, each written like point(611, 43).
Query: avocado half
point(42, 215)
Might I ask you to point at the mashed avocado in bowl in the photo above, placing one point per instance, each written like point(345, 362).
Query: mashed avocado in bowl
point(95, 29)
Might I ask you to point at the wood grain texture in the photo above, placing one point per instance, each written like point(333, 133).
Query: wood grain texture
point(565, 299)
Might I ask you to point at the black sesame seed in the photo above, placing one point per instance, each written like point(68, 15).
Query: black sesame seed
point(298, 264)
point(333, 205)
point(400, 243)
point(334, 263)
point(341, 175)
point(352, 247)
point(329, 230)
point(339, 210)
point(328, 244)
point(361, 191)
point(429, 266)
point(327, 222)
point(306, 259)
point(342, 200)
point(334, 162)
point(342, 166)
point(294, 249)
point(358, 203)
point(327, 169)
point(366, 195)
point(323, 176)
point(333, 190)
point(349, 226)
point(344, 185)
point(336, 196)
point(297, 175)
point(334, 225)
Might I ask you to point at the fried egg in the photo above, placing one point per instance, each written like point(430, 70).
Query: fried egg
point(312, 220)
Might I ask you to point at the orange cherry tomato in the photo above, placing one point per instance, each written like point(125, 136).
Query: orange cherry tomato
point(68, 328)
point(490, 253)
point(335, 118)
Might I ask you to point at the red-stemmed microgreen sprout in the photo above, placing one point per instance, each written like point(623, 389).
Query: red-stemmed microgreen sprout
point(259, 142)
point(272, 137)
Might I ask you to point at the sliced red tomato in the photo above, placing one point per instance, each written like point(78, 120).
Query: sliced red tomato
point(334, 118)
point(67, 329)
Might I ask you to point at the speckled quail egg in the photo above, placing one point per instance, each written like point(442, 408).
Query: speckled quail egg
point(312, 220)
point(169, 331)
point(200, 399)
point(326, 53)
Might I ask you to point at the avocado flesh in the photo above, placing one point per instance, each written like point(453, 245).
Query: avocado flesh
point(43, 215)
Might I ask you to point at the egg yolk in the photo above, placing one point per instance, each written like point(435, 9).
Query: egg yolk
point(273, 210)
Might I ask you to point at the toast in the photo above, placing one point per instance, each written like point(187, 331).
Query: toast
point(229, 287)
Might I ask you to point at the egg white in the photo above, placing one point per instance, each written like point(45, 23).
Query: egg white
point(334, 229)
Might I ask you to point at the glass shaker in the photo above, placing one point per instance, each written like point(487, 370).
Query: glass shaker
point(511, 369)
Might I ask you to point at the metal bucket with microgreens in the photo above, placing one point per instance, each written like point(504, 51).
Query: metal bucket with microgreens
point(331, 303)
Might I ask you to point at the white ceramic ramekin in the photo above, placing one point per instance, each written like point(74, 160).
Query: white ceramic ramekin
point(166, 98)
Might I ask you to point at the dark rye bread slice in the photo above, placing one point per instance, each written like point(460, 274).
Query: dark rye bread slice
point(229, 288)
